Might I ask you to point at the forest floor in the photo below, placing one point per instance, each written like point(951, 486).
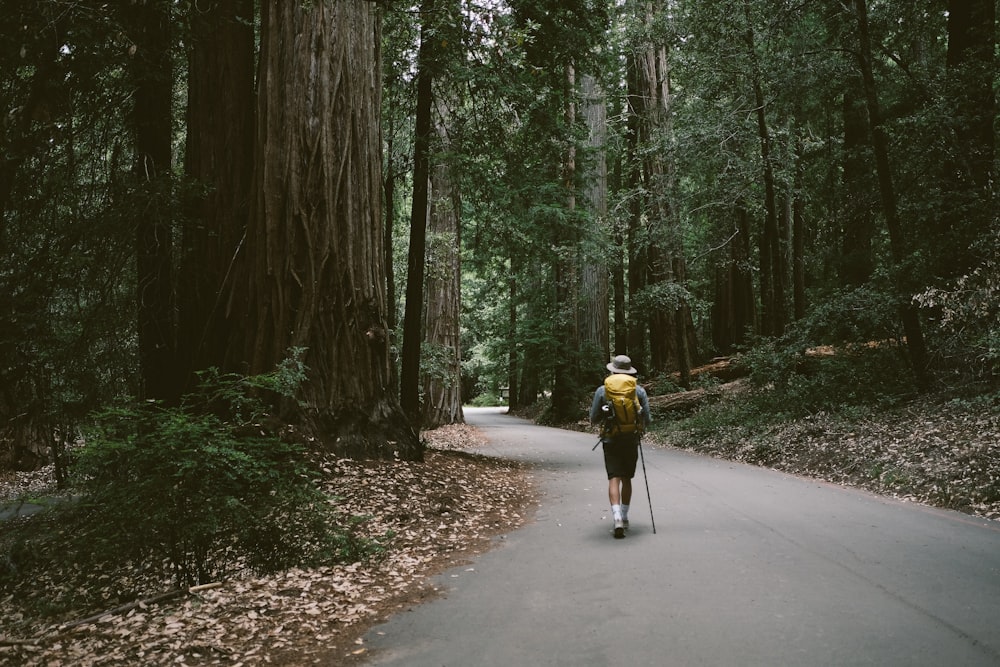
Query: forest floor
point(441, 512)
point(935, 449)
point(448, 509)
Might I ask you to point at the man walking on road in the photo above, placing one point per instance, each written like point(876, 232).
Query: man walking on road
point(621, 407)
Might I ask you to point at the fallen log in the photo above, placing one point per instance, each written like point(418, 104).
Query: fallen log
point(725, 369)
point(687, 401)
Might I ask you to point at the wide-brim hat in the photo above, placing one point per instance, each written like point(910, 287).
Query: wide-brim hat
point(622, 364)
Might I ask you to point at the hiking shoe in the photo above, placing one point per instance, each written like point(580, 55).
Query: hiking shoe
point(619, 529)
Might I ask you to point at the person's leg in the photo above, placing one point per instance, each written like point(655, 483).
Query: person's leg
point(626, 498)
point(615, 496)
point(615, 485)
point(614, 466)
point(631, 455)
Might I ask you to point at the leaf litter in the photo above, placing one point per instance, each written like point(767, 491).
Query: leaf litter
point(939, 452)
point(427, 516)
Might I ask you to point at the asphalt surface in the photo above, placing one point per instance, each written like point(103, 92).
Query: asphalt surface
point(747, 567)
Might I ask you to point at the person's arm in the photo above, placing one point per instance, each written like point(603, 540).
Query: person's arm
point(596, 414)
point(644, 402)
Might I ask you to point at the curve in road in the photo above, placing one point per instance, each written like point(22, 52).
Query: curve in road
point(748, 567)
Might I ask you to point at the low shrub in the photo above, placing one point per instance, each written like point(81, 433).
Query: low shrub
point(192, 492)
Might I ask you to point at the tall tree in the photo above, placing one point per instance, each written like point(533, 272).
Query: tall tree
point(772, 274)
point(399, 33)
point(563, 37)
point(67, 222)
point(635, 237)
point(650, 101)
point(971, 63)
point(315, 278)
point(409, 379)
point(566, 235)
point(897, 242)
point(149, 24)
point(734, 309)
point(594, 302)
point(798, 231)
point(856, 263)
point(970, 165)
point(219, 158)
point(442, 373)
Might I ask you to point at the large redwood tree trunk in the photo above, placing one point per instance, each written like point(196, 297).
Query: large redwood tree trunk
point(566, 243)
point(315, 272)
point(219, 156)
point(442, 375)
point(594, 298)
point(671, 333)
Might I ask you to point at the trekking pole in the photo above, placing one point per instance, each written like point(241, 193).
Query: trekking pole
point(646, 477)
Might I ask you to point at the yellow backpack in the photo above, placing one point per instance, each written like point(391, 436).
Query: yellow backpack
point(624, 406)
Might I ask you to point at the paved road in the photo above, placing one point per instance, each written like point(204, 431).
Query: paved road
point(748, 567)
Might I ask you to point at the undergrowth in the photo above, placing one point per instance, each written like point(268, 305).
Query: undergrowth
point(182, 495)
point(852, 419)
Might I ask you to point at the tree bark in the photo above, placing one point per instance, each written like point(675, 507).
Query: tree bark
point(219, 157)
point(442, 383)
point(409, 379)
point(315, 272)
point(594, 302)
point(152, 71)
point(566, 242)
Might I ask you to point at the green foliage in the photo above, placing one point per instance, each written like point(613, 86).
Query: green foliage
point(203, 494)
point(67, 328)
point(845, 317)
point(661, 296)
point(790, 384)
point(243, 398)
point(817, 367)
point(487, 400)
point(967, 315)
point(438, 362)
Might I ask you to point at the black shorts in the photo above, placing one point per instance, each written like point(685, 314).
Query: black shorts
point(620, 456)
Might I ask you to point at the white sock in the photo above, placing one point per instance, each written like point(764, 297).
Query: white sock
point(624, 511)
point(616, 510)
